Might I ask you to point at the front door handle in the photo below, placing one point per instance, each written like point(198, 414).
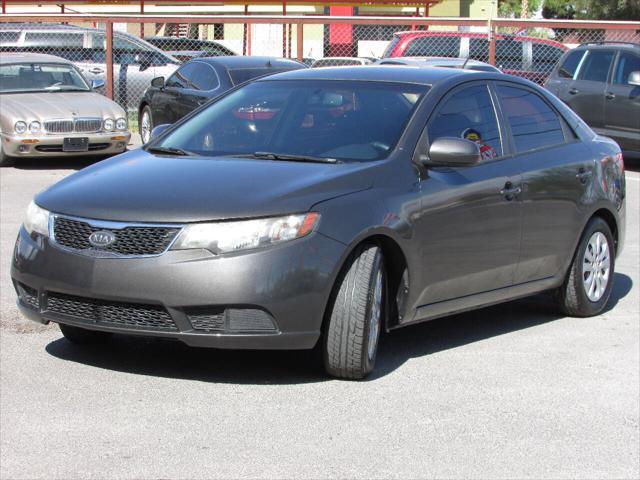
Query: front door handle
point(610, 96)
point(584, 175)
point(96, 70)
point(573, 91)
point(510, 191)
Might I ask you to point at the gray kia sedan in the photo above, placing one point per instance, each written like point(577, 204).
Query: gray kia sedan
point(316, 208)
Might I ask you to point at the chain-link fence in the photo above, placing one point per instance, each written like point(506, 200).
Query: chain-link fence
point(127, 52)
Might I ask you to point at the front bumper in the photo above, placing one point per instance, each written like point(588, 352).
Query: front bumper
point(50, 145)
point(291, 282)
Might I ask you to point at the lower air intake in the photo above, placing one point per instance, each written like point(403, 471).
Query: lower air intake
point(231, 320)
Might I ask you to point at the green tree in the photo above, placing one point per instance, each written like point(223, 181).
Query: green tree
point(513, 8)
point(592, 9)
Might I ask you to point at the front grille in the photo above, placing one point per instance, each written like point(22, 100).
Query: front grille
point(58, 148)
point(28, 296)
point(102, 312)
point(134, 240)
point(78, 125)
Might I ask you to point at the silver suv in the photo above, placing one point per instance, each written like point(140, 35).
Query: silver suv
point(136, 62)
point(601, 83)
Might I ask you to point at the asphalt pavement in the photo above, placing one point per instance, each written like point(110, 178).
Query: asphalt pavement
point(512, 391)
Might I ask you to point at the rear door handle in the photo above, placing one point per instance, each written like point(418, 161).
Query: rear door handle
point(584, 175)
point(573, 91)
point(610, 96)
point(96, 70)
point(510, 191)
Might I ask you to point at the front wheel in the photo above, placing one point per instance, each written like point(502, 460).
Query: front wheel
point(588, 286)
point(355, 316)
point(5, 161)
point(146, 124)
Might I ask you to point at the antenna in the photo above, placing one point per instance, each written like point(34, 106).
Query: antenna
point(464, 65)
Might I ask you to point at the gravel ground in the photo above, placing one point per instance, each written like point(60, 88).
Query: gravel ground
point(511, 391)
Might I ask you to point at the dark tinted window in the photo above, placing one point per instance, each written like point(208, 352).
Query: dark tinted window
point(469, 114)
point(204, 77)
point(627, 63)
point(533, 123)
point(545, 57)
point(9, 38)
point(508, 52)
point(183, 77)
point(595, 66)
point(392, 45)
point(434, 47)
point(570, 64)
point(240, 75)
point(54, 39)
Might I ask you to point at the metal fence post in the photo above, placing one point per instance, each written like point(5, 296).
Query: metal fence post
point(109, 58)
point(492, 43)
point(299, 41)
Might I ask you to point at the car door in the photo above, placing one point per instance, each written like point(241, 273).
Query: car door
point(469, 224)
point(202, 85)
point(557, 172)
point(561, 77)
point(585, 93)
point(622, 103)
point(166, 105)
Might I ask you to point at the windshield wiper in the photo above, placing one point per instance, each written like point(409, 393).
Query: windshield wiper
point(295, 158)
point(170, 151)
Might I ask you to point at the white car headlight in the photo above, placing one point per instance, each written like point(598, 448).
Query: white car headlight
point(20, 127)
point(223, 237)
point(121, 124)
point(109, 124)
point(37, 220)
point(34, 127)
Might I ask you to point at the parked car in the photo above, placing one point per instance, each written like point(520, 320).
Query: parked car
point(447, 62)
point(136, 62)
point(316, 208)
point(198, 81)
point(601, 83)
point(528, 57)
point(341, 62)
point(49, 109)
point(185, 49)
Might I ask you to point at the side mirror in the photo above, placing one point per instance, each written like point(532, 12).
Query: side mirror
point(158, 82)
point(97, 83)
point(452, 152)
point(157, 131)
point(143, 60)
point(634, 78)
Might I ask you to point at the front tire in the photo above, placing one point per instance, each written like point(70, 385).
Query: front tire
point(145, 125)
point(5, 161)
point(82, 336)
point(587, 288)
point(355, 316)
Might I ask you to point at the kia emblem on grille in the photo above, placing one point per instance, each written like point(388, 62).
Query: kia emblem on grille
point(101, 239)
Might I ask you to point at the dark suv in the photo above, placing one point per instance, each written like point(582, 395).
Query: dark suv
point(601, 83)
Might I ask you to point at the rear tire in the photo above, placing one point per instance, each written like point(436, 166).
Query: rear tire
point(588, 285)
point(356, 315)
point(145, 124)
point(82, 336)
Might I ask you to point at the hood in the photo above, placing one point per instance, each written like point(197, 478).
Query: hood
point(57, 105)
point(140, 187)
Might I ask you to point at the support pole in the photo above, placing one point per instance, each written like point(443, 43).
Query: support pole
point(109, 59)
point(299, 41)
point(284, 29)
point(141, 23)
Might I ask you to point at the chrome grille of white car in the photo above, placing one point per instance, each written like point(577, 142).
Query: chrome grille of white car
point(79, 125)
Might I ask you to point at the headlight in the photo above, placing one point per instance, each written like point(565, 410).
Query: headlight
point(37, 220)
point(223, 237)
point(20, 127)
point(121, 124)
point(109, 124)
point(34, 127)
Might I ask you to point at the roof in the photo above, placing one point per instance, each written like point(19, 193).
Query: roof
point(610, 45)
point(376, 73)
point(248, 62)
point(19, 57)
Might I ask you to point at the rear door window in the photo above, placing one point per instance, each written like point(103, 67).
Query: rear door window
point(570, 63)
point(434, 46)
point(469, 114)
point(596, 65)
point(534, 124)
point(508, 52)
point(627, 63)
point(54, 39)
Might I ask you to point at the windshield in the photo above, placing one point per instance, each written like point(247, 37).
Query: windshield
point(343, 120)
point(40, 77)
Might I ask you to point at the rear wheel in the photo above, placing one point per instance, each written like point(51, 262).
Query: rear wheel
point(81, 336)
point(146, 124)
point(588, 286)
point(355, 316)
